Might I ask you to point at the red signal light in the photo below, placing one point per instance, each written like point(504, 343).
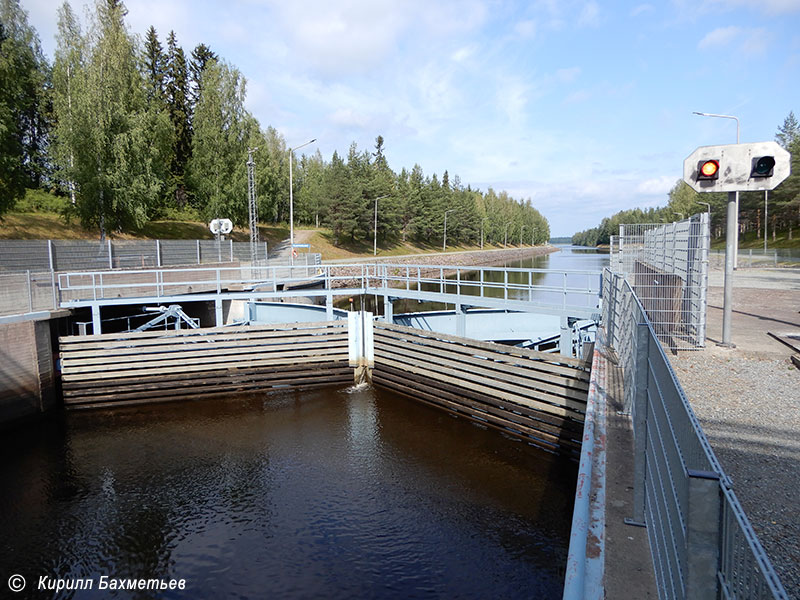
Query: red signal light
point(707, 170)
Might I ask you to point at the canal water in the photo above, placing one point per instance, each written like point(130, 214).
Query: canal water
point(335, 493)
point(566, 258)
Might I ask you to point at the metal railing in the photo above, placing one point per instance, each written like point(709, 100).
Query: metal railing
point(667, 266)
point(701, 542)
point(71, 255)
point(32, 290)
point(561, 289)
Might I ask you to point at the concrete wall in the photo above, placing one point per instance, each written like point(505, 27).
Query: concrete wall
point(27, 377)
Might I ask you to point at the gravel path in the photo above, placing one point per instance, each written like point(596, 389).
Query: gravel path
point(748, 402)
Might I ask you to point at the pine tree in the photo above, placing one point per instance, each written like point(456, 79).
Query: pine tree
point(178, 106)
point(788, 132)
point(154, 63)
point(201, 56)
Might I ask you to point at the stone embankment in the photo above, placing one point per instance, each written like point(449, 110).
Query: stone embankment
point(472, 258)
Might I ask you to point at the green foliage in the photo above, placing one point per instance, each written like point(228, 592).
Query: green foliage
point(24, 84)
point(140, 133)
point(38, 200)
point(217, 169)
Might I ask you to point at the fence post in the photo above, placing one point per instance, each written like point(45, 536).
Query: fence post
point(158, 253)
point(110, 256)
point(641, 376)
point(702, 535)
point(30, 292)
point(198, 252)
point(50, 254)
point(231, 241)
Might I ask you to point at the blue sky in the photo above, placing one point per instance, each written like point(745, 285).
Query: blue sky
point(585, 107)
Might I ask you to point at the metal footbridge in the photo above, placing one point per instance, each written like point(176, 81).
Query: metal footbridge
point(569, 295)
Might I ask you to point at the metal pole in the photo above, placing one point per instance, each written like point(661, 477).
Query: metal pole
point(730, 253)
point(291, 199)
point(766, 195)
point(375, 231)
point(291, 212)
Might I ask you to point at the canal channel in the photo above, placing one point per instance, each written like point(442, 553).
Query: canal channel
point(335, 493)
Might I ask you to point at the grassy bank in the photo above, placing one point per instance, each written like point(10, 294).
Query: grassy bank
point(38, 216)
point(752, 240)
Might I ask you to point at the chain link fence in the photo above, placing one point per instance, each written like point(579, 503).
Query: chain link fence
point(667, 265)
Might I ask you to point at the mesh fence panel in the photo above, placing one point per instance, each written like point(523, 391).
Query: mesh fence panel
point(667, 265)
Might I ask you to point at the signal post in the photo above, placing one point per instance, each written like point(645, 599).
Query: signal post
point(735, 168)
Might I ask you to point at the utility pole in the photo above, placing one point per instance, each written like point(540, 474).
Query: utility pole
point(251, 196)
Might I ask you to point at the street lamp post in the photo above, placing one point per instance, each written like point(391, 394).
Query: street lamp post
point(679, 214)
point(291, 198)
point(375, 228)
point(444, 244)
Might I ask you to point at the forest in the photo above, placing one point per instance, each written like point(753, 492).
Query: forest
point(131, 130)
point(782, 212)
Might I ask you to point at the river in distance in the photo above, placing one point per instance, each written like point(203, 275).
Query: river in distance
point(330, 493)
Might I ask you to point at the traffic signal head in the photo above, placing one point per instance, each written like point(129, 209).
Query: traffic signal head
point(762, 166)
point(708, 170)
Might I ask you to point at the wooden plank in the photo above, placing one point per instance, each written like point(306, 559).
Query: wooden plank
point(156, 345)
point(231, 387)
point(574, 423)
point(225, 329)
point(221, 358)
point(494, 354)
point(570, 436)
point(489, 386)
point(250, 379)
point(178, 398)
point(490, 346)
point(542, 405)
point(166, 345)
point(180, 378)
point(536, 438)
point(528, 378)
point(185, 355)
point(199, 368)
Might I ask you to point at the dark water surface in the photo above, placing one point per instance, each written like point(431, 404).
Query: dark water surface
point(323, 494)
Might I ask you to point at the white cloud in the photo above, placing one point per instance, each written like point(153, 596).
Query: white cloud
point(568, 75)
point(463, 54)
point(525, 29)
point(721, 36)
point(642, 9)
point(772, 7)
point(656, 186)
point(590, 15)
point(748, 41)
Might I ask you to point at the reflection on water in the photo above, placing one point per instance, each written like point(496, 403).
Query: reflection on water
point(566, 258)
point(337, 493)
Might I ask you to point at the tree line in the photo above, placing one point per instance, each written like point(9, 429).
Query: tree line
point(132, 130)
point(782, 212)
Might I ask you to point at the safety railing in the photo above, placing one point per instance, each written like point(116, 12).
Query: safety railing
point(565, 289)
point(701, 542)
point(69, 255)
point(33, 290)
